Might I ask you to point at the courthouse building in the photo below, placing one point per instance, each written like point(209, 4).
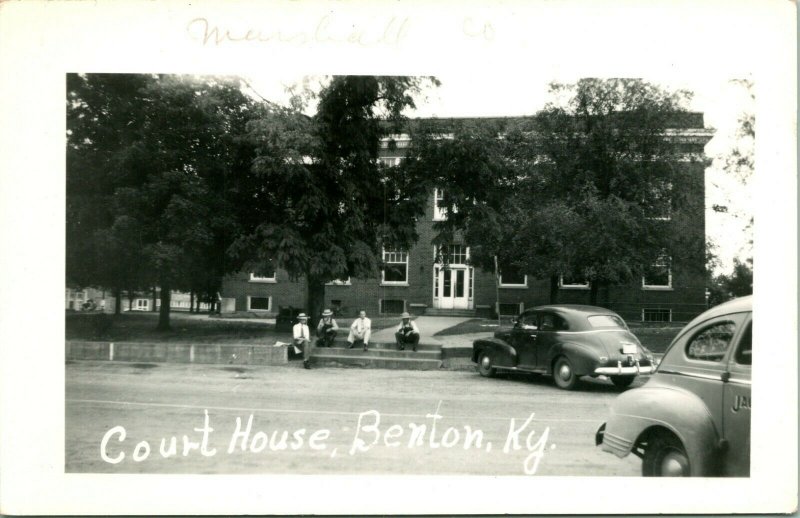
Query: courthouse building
point(413, 281)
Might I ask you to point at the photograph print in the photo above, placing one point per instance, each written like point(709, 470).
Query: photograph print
point(398, 275)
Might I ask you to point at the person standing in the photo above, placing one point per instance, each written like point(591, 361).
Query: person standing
point(360, 330)
point(407, 333)
point(301, 338)
point(326, 329)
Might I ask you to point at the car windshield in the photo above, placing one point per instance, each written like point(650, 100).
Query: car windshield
point(608, 321)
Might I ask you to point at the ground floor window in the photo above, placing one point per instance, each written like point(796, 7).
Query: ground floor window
point(572, 282)
point(395, 267)
point(259, 303)
point(142, 304)
point(510, 308)
point(656, 315)
point(393, 305)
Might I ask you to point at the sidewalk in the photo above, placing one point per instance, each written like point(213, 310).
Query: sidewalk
point(428, 326)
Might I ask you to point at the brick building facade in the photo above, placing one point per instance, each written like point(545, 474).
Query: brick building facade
point(414, 282)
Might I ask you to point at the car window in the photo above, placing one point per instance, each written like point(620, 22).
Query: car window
point(528, 320)
point(609, 321)
point(550, 322)
point(711, 343)
point(744, 353)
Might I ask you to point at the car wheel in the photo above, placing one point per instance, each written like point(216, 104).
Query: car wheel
point(563, 374)
point(485, 363)
point(665, 456)
point(622, 381)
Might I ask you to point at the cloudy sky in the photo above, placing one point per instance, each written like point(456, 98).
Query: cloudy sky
point(474, 95)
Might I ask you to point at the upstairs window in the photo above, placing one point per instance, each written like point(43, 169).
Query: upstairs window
point(395, 267)
point(452, 254)
point(439, 208)
point(659, 275)
point(264, 273)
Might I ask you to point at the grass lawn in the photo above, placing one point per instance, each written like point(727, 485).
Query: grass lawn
point(654, 337)
point(141, 327)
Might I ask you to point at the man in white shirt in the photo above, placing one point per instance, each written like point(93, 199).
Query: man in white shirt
point(301, 338)
point(407, 332)
point(360, 330)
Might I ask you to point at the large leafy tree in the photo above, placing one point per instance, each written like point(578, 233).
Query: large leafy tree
point(583, 189)
point(321, 207)
point(151, 174)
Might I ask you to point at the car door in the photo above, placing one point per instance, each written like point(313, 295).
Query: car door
point(546, 336)
point(737, 405)
point(524, 339)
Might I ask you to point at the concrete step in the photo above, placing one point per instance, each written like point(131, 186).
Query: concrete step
point(439, 312)
point(375, 362)
point(379, 353)
point(383, 346)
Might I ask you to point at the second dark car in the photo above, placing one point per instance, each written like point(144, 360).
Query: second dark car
point(567, 342)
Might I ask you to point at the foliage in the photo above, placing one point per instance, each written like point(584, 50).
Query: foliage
point(577, 190)
point(321, 207)
point(738, 284)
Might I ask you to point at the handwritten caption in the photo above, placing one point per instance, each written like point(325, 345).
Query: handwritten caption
point(369, 433)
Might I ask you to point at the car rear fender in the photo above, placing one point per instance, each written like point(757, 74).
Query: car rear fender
point(637, 414)
point(582, 357)
point(503, 355)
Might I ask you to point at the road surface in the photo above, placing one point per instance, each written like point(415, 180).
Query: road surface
point(124, 418)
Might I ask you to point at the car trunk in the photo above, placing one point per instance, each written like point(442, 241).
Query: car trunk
point(620, 343)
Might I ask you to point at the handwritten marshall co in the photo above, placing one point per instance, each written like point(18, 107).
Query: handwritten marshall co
point(325, 30)
point(368, 434)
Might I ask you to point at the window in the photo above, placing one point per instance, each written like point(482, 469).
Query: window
point(395, 267)
point(339, 282)
point(452, 254)
point(142, 305)
point(744, 353)
point(439, 208)
point(570, 282)
point(392, 306)
point(506, 309)
point(662, 203)
point(266, 273)
point(389, 161)
point(656, 315)
point(529, 321)
point(550, 322)
point(711, 343)
point(658, 275)
point(259, 303)
point(607, 321)
point(511, 278)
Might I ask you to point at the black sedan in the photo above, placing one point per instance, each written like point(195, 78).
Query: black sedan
point(567, 342)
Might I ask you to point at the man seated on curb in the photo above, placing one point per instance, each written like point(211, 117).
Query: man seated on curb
point(326, 329)
point(301, 338)
point(360, 330)
point(407, 333)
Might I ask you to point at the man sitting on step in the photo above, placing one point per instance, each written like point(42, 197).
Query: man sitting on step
point(407, 333)
point(360, 330)
point(326, 329)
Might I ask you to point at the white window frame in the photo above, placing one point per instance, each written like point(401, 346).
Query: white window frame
point(384, 282)
point(656, 287)
point(339, 282)
point(266, 280)
point(138, 306)
point(657, 309)
point(268, 297)
point(439, 213)
point(510, 285)
point(584, 286)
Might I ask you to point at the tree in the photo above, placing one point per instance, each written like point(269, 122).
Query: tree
point(321, 207)
point(582, 189)
point(165, 151)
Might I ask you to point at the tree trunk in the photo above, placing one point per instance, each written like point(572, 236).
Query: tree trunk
point(163, 314)
point(316, 299)
point(117, 300)
point(191, 301)
point(154, 299)
point(554, 289)
point(594, 286)
point(130, 300)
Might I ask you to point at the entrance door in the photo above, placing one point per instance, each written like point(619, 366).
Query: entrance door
point(452, 287)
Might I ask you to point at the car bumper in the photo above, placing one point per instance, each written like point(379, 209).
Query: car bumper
point(628, 370)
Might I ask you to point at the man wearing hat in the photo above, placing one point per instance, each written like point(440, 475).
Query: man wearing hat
point(326, 329)
point(301, 338)
point(407, 333)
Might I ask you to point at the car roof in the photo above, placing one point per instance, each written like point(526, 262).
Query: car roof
point(740, 305)
point(574, 309)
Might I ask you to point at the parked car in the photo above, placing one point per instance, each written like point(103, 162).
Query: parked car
point(692, 418)
point(567, 342)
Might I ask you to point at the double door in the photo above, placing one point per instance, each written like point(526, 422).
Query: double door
point(452, 287)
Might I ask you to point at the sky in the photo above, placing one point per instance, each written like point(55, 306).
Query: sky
point(475, 95)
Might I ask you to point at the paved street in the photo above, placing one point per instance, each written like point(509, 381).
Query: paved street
point(318, 411)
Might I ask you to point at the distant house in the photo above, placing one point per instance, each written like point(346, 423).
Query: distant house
point(105, 301)
point(414, 282)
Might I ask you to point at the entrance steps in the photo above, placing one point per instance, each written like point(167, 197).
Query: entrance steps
point(378, 356)
point(439, 312)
